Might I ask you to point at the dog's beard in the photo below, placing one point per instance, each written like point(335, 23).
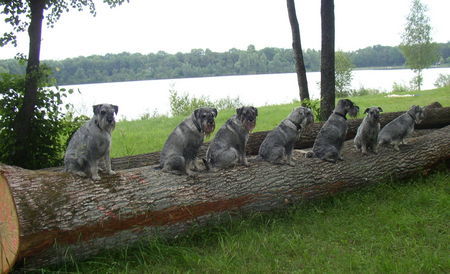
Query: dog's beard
point(105, 125)
point(249, 125)
point(353, 112)
point(208, 128)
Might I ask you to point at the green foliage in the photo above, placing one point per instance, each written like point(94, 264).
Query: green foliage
point(362, 91)
point(377, 56)
point(442, 81)
point(182, 105)
point(343, 74)
point(417, 46)
point(398, 87)
point(314, 105)
point(49, 126)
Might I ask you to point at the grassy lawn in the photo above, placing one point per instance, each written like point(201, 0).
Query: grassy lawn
point(144, 136)
point(396, 227)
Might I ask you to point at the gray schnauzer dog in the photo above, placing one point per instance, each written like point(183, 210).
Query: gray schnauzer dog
point(329, 141)
point(278, 145)
point(228, 147)
point(367, 134)
point(91, 143)
point(179, 154)
point(396, 131)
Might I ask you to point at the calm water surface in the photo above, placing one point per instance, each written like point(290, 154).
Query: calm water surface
point(136, 98)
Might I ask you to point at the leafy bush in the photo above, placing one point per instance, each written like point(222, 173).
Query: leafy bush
point(49, 127)
point(364, 91)
point(442, 81)
point(185, 105)
point(314, 105)
point(397, 87)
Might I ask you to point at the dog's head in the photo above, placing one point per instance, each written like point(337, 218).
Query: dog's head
point(345, 106)
point(301, 117)
point(417, 113)
point(204, 117)
point(104, 115)
point(373, 113)
point(247, 115)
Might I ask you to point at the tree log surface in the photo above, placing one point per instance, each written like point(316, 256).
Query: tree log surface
point(61, 214)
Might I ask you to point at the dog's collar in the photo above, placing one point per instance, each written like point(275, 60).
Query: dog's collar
point(340, 114)
point(298, 126)
point(410, 115)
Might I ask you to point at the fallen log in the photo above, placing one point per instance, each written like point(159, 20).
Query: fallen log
point(436, 117)
point(62, 216)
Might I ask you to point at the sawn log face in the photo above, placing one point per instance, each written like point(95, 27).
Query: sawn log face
point(58, 211)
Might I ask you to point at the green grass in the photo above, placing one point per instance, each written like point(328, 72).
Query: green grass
point(137, 137)
point(388, 228)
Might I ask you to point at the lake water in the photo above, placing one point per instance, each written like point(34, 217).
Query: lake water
point(136, 98)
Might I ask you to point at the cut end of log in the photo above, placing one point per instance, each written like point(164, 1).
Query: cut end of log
point(9, 228)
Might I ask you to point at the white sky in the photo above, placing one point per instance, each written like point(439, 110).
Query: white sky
point(147, 26)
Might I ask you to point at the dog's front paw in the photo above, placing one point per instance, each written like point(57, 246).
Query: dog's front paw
point(112, 172)
point(96, 178)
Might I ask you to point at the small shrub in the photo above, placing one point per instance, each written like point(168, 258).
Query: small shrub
point(314, 105)
point(364, 91)
point(442, 81)
point(397, 87)
point(184, 104)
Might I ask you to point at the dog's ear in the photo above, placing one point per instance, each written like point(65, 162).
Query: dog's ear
point(196, 113)
point(256, 111)
point(214, 110)
point(380, 109)
point(96, 109)
point(116, 109)
point(239, 111)
point(367, 110)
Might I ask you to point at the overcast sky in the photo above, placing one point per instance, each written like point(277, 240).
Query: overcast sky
point(148, 26)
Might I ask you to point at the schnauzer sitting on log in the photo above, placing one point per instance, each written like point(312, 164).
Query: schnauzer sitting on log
point(398, 129)
point(329, 141)
point(91, 143)
point(179, 153)
point(228, 146)
point(278, 145)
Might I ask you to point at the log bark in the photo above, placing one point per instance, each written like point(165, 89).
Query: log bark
point(63, 216)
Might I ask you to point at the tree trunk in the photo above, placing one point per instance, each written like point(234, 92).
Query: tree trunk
point(64, 216)
point(23, 121)
point(298, 53)
point(327, 76)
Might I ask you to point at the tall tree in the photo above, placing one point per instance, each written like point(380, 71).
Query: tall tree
point(343, 74)
point(327, 86)
point(298, 54)
point(28, 15)
point(417, 46)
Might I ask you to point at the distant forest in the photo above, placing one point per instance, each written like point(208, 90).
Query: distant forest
point(199, 63)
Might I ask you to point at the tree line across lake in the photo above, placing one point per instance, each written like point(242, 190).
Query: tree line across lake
point(198, 63)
